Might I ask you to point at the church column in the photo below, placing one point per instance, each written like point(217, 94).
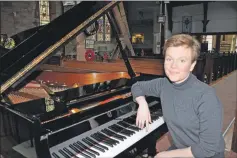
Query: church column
point(162, 27)
point(156, 30)
point(70, 49)
point(168, 20)
point(0, 18)
point(205, 21)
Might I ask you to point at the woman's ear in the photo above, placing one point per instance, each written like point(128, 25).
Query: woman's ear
point(193, 65)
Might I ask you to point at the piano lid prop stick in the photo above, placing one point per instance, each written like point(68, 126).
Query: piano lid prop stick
point(76, 110)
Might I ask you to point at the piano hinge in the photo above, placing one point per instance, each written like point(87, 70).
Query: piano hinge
point(44, 137)
point(49, 103)
point(5, 100)
point(109, 114)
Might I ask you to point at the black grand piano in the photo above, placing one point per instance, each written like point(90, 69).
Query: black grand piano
point(60, 122)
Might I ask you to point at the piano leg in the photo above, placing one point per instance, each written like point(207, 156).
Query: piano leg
point(152, 139)
point(17, 130)
point(30, 135)
point(151, 142)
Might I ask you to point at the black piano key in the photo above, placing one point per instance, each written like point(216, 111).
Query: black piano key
point(157, 112)
point(124, 124)
point(55, 155)
point(103, 141)
point(113, 140)
point(69, 152)
point(154, 117)
point(93, 142)
point(115, 129)
point(106, 138)
point(134, 117)
point(113, 134)
point(92, 145)
point(121, 123)
point(74, 148)
point(134, 128)
point(86, 148)
point(130, 120)
point(119, 128)
point(98, 138)
point(82, 150)
point(119, 131)
point(63, 153)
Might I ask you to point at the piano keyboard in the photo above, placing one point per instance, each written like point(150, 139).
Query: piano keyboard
point(107, 140)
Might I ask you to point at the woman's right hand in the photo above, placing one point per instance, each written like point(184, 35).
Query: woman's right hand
point(143, 113)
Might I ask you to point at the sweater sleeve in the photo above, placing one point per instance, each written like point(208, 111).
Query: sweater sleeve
point(210, 120)
point(147, 88)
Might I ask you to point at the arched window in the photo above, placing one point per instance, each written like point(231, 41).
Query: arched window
point(100, 32)
point(107, 30)
point(103, 34)
point(104, 30)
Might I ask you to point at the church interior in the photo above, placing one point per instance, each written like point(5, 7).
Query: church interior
point(67, 68)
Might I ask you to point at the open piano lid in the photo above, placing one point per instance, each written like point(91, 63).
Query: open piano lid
point(21, 61)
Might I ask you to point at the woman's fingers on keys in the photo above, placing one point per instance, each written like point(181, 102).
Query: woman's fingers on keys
point(149, 118)
point(142, 124)
point(147, 125)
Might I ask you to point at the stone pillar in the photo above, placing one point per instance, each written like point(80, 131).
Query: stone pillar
point(55, 9)
point(156, 31)
point(80, 47)
point(168, 33)
point(0, 17)
point(70, 47)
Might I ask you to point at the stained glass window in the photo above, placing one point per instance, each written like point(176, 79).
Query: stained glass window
point(100, 32)
point(44, 12)
point(107, 30)
point(104, 30)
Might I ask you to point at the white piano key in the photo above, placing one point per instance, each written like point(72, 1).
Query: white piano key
point(116, 149)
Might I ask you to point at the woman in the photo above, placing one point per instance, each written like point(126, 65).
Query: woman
point(191, 109)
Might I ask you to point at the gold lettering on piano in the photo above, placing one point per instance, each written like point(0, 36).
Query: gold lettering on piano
point(47, 52)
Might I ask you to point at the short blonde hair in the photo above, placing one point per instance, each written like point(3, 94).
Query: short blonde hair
point(184, 40)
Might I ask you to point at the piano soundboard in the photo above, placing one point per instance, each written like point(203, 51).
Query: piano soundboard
point(109, 139)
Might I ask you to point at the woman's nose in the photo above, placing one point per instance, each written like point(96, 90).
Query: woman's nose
point(173, 64)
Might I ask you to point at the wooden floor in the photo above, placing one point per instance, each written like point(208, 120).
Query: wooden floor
point(226, 91)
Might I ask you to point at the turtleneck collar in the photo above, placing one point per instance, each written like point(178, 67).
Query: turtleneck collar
point(186, 83)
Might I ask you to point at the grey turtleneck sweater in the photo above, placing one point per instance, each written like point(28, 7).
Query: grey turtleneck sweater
point(192, 112)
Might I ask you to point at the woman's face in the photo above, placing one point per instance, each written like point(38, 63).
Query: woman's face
point(178, 63)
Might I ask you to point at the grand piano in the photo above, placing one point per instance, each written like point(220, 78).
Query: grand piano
point(60, 114)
